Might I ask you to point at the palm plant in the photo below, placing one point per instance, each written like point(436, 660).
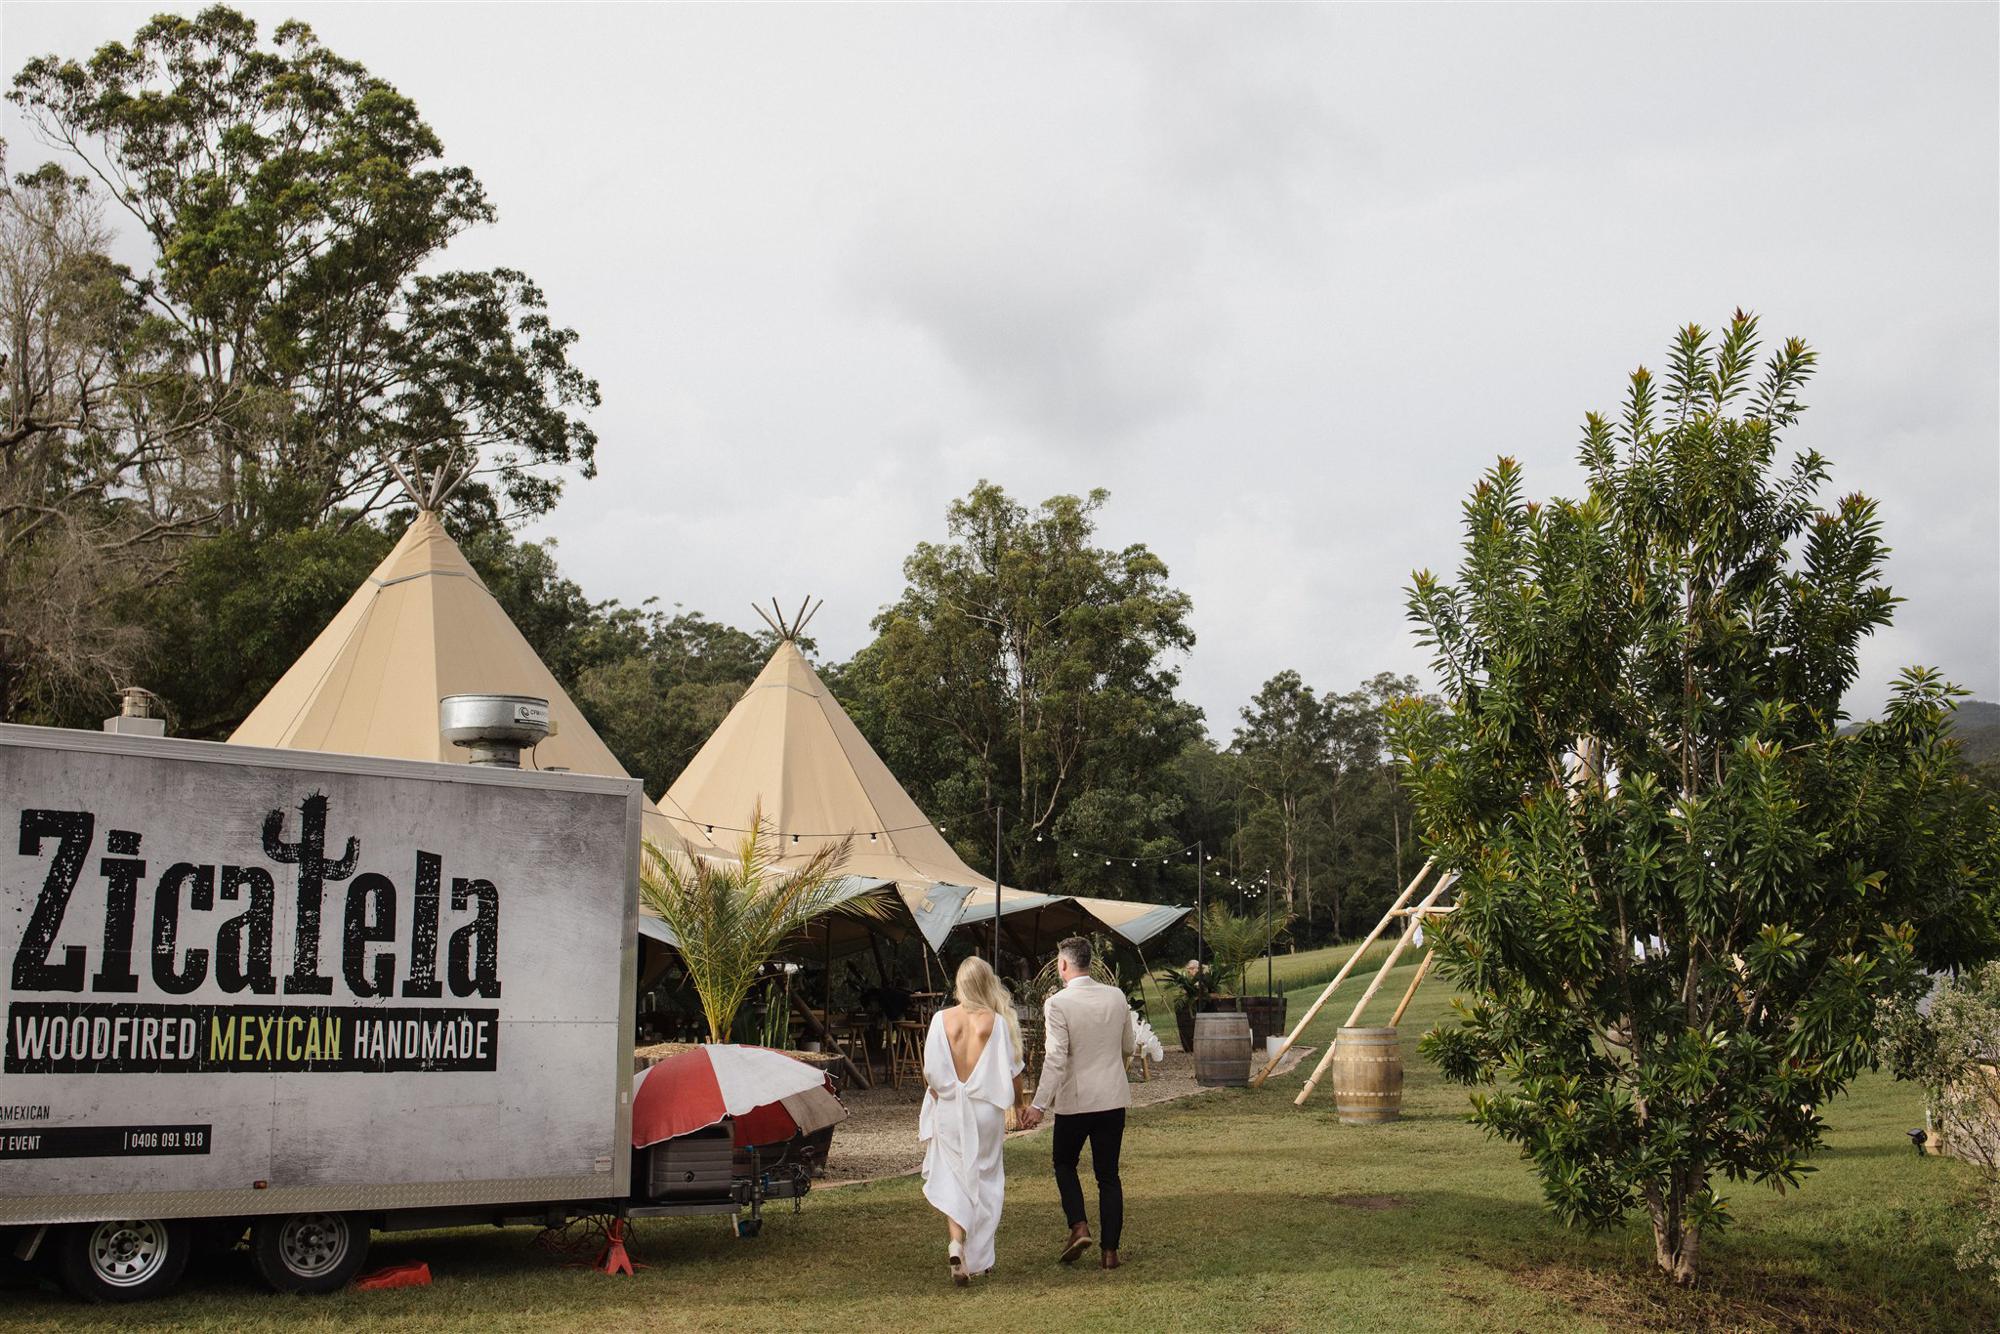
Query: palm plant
point(1233, 942)
point(731, 916)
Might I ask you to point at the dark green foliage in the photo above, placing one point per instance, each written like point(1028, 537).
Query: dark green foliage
point(1320, 808)
point(241, 611)
point(1683, 890)
point(296, 205)
point(1028, 670)
point(673, 682)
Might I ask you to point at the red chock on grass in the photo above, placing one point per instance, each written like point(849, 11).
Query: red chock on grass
point(396, 1276)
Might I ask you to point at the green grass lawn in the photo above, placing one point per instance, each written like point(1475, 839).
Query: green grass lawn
point(1244, 1213)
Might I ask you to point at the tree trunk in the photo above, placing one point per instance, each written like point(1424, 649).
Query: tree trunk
point(1396, 827)
point(1675, 1241)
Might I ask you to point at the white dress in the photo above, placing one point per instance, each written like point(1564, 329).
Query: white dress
point(964, 1125)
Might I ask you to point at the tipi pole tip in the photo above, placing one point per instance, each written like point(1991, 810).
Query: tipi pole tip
point(789, 628)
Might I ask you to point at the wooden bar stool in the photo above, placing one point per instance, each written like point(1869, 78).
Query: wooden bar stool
point(906, 1051)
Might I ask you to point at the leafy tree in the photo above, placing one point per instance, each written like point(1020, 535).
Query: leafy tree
point(1683, 891)
point(237, 614)
point(296, 205)
point(658, 702)
point(91, 500)
point(1319, 803)
point(1285, 745)
point(1367, 808)
point(1951, 1048)
point(1024, 668)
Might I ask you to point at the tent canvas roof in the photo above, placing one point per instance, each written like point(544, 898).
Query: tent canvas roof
point(421, 627)
point(791, 750)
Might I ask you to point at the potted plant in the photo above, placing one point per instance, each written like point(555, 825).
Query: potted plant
point(1189, 987)
point(1234, 941)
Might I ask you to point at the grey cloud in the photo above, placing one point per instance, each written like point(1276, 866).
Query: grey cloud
point(1285, 279)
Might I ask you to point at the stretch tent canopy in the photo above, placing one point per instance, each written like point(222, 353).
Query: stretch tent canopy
point(790, 751)
point(421, 627)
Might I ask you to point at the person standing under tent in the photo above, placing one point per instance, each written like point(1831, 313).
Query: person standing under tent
point(972, 1073)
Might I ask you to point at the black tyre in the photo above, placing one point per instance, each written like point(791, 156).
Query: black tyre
point(123, 1260)
point(308, 1252)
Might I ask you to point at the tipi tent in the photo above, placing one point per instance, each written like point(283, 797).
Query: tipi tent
point(421, 627)
point(789, 749)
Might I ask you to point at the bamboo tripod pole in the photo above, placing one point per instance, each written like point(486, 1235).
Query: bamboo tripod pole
point(1402, 943)
point(1415, 982)
point(1339, 977)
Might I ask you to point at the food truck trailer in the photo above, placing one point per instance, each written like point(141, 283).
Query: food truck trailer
point(304, 996)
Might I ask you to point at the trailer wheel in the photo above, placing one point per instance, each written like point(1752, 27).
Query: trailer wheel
point(308, 1252)
point(122, 1260)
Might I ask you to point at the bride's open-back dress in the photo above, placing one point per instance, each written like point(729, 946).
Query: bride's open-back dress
point(964, 1125)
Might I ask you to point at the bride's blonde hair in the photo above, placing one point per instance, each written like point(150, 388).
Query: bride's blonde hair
point(979, 988)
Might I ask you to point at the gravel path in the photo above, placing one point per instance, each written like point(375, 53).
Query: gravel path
point(879, 1137)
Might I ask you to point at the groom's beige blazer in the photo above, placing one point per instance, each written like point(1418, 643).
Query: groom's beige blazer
point(1087, 1036)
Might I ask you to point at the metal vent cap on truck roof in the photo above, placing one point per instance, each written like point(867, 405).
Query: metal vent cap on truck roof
point(495, 728)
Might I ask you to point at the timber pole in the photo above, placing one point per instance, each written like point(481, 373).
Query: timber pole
point(1319, 1071)
point(1313, 1011)
point(1415, 982)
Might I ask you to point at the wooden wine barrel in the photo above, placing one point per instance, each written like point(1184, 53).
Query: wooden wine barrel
point(1367, 1076)
point(1221, 1049)
point(1266, 1015)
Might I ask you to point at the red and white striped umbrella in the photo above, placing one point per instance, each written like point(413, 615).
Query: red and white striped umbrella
point(770, 1095)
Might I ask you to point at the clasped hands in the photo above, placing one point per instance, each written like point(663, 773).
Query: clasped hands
point(1029, 1117)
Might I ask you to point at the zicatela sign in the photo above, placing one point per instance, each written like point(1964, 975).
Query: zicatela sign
point(271, 974)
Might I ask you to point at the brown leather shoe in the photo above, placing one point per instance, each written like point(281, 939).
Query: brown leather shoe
point(1108, 1259)
point(1078, 1243)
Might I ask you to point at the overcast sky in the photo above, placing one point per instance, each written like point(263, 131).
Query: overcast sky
point(1284, 280)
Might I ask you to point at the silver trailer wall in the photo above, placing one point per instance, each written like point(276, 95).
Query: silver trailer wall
point(245, 981)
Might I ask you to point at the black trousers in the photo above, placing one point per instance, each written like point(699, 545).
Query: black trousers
point(1105, 1133)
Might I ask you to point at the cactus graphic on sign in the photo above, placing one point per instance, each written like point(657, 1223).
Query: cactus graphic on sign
point(309, 854)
